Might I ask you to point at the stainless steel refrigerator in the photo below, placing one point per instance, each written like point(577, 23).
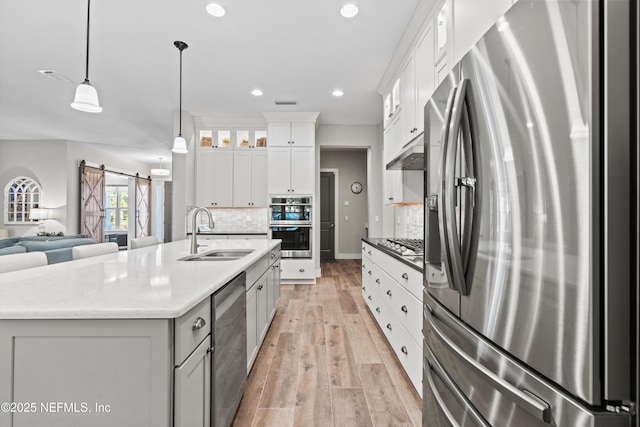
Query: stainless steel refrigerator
point(530, 223)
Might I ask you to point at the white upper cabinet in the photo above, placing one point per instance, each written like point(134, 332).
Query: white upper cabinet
point(471, 19)
point(249, 178)
point(408, 95)
point(291, 158)
point(425, 72)
point(392, 139)
point(387, 109)
point(231, 165)
point(302, 167)
point(392, 102)
point(292, 134)
point(214, 171)
point(291, 170)
point(442, 35)
point(231, 138)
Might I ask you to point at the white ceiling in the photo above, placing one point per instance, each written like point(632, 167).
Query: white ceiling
point(297, 50)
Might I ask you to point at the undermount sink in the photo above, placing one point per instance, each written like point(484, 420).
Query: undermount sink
point(218, 255)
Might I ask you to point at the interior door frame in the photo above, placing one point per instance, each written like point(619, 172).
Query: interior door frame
point(85, 172)
point(336, 218)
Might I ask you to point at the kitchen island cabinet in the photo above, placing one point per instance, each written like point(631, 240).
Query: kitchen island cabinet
point(120, 339)
point(263, 295)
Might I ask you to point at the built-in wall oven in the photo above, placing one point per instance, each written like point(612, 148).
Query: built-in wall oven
point(290, 221)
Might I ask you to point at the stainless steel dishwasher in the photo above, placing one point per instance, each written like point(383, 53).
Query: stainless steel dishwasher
point(229, 350)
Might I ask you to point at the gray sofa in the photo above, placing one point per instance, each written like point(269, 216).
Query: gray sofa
point(56, 248)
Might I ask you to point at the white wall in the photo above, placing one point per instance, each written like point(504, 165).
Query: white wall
point(55, 165)
point(44, 161)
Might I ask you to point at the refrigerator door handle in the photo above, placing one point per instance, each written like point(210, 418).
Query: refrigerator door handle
point(472, 184)
point(523, 398)
point(433, 365)
point(461, 239)
point(445, 178)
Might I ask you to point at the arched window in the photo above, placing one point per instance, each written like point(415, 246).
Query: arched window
point(21, 195)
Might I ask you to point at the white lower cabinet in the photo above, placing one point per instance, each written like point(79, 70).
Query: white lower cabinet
point(388, 287)
point(252, 325)
point(273, 288)
point(261, 307)
point(263, 295)
point(193, 388)
point(298, 269)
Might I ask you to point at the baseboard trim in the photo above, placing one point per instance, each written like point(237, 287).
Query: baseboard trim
point(349, 256)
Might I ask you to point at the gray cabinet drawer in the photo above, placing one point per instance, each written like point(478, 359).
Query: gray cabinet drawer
point(190, 329)
point(274, 255)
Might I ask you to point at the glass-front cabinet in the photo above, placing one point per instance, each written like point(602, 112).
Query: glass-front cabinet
point(233, 138)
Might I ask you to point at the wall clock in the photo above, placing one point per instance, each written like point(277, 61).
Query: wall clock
point(356, 188)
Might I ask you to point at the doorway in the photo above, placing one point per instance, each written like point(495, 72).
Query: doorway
point(350, 201)
point(327, 215)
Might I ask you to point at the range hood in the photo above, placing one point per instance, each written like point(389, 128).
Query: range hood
point(411, 157)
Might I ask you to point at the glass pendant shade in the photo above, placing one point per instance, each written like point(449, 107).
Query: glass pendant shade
point(180, 145)
point(160, 172)
point(86, 98)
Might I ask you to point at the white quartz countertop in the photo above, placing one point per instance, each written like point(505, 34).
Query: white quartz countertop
point(145, 283)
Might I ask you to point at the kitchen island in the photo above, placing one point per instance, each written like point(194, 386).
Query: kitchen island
point(117, 339)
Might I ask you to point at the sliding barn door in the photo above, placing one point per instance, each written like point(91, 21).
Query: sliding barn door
point(143, 203)
point(92, 201)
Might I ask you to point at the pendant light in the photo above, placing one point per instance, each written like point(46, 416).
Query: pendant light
point(160, 171)
point(86, 98)
point(180, 145)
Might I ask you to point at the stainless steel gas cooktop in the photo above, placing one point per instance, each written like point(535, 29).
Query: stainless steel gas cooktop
point(404, 247)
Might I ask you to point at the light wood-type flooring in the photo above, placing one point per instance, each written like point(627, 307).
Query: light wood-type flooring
point(325, 362)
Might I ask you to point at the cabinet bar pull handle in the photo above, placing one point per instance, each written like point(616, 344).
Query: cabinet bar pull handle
point(198, 324)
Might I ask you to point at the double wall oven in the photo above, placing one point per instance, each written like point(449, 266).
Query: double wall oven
point(290, 221)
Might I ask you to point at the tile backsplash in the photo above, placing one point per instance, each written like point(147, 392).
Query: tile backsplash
point(235, 220)
point(414, 217)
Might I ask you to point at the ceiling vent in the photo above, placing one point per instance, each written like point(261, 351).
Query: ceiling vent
point(286, 102)
point(53, 74)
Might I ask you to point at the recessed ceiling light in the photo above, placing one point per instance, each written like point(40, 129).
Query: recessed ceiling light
point(256, 92)
point(216, 10)
point(337, 92)
point(349, 10)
